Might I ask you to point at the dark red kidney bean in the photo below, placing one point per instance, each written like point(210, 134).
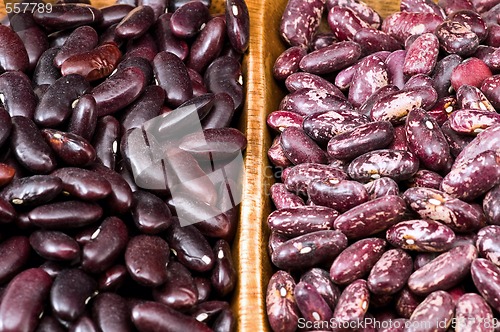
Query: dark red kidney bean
point(276, 154)
point(238, 24)
point(300, 176)
point(311, 304)
point(443, 272)
point(299, 148)
point(138, 62)
point(94, 64)
point(83, 184)
point(112, 279)
point(191, 248)
point(146, 259)
point(45, 71)
point(487, 243)
point(308, 250)
point(148, 316)
point(287, 62)
point(150, 214)
point(472, 313)
point(280, 120)
point(52, 268)
point(114, 14)
point(385, 211)
point(224, 75)
point(49, 324)
point(402, 25)
point(361, 88)
point(23, 300)
point(436, 310)
point(173, 77)
point(83, 120)
point(341, 196)
point(72, 149)
point(474, 177)
point(18, 97)
point(311, 101)
point(492, 210)
point(282, 198)
point(166, 40)
point(67, 16)
point(145, 108)
point(224, 274)
point(225, 321)
point(7, 172)
point(407, 302)
point(486, 140)
point(300, 21)
point(320, 280)
point(106, 244)
point(356, 260)
point(179, 291)
point(421, 235)
point(56, 104)
point(29, 146)
point(109, 37)
point(396, 164)
point(352, 305)
point(298, 221)
point(82, 39)
point(16, 252)
point(372, 40)
point(345, 23)
point(456, 141)
point(382, 187)
point(391, 272)
point(120, 198)
point(105, 140)
point(426, 140)
point(281, 307)
point(441, 76)
point(71, 291)
point(111, 313)
point(33, 190)
point(421, 56)
point(54, 245)
point(57, 39)
point(119, 90)
point(331, 58)
point(456, 38)
point(472, 98)
point(14, 54)
point(204, 289)
point(221, 113)
point(471, 122)
point(301, 80)
point(62, 215)
point(135, 23)
point(142, 47)
point(484, 275)
point(187, 21)
point(83, 324)
point(361, 139)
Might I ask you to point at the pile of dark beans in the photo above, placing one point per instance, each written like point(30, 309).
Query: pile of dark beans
point(388, 149)
point(91, 236)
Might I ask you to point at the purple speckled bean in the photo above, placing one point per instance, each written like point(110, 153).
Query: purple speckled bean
point(456, 141)
point(391, 272)
point(488, 243)
point(372, 40)
point(425, 178)
point(331, 58)
point(472, 313)
point(421, 56)
point(282, 198)
point(287, 62)
point(299, 148)
point(382, 187)
point(302, 220)
point(280, 120)
point(489, 139)
point(402, 25)
point(421, 6)
point(345, 23)
point(281, 307)
point(276, 154)
point(484, 275)
point(436, 310)
point(307, 101)
point(300, 176)
point(456, 38)
point(472, 98)
point(341, 196)
point(363, 10)
point(371, 74)
point(491, 209)
point(472, 122)
point(320, 279)
point(301, 80)
point(300, 21)
point(442, 74)
point(311, 304)
point(352, 305)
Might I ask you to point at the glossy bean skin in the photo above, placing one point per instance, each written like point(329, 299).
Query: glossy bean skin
point(68, 16)
point(105, 140)
point(224, 276)
point(70, 292)
point(148, 316)
point(385, 211)
point(112, 279)
point(61, 215)
point(391, 272)
point(300, 176)
point(114, 14)
point(135, 23)
point(382, 187)
point(16, 251)
point(298, 221)
point(150, 214)
point(396, 164)
point(443, 72)
point(457, 38)
point(82, 39)
point(18, 96)
point(282, 311)
point(473, 178)
point(436, 307)
point(356, 260)
point(308, 250)
point(307, 101)
point(341, 196)
point(138, 62)
point(187, 20)
point(437, 205)
point(426, 140)
point(472, 314)
point(483, 273)
point(276, 154)
point(471, 122)
point(287, 62)
point(487, 243)
point(456, 141)
point(486, 140)
point(7, 173)
point(14, 54)
point(425, 178)
point(179, 291)
point(331, 58)
point(72, 149)
point(83, 324)
point(54, 245)
point(421, 235)
point(111, 313)
point(29, 146)
point(361, 88)
point(282, 198)
point(83, 184)
point(299, 148)
point(421, 56)
point(33, 190)
point(94, 64)
point(372, 40)
point(224, 75)
point(345, 23)
point(238, 24)
point(310, 303)
point(45, 71)
point(119, 90)
point(362, 139)
point(56, 104)
point(172, 76)
point(147, 269)
point(402, 25)
point(166, 40)
point(120, 198)
point(491, 209)
point(23, 300)
point(302, 80)
point(309, 16)
point(353, 304)
point(470, 97)
point(280, 120)
point(83, 120)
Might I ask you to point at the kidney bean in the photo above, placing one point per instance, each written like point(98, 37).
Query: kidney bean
point(54, 245)
point(436, 310)
point(421, 56)
point(370, 75)
point(45, 71)
point(472, 313)
point(341, 196)
point(298, 221)
point(179, 291)
point(112, 279)
point(356, 260)
point(310, 303)
point(352, 305)
point(470, 97)
point(288, 62)
point(452, 6)
point(33, 190)
point(224, 274)
point(113, 14)
point(166, 40)
point(224, 75)
point(83, 119)
point(425, 178)
point(17, 97)
point(302, 80)
point(83, 324)
point(188, 19)
point(67, 16)
point(276, 154)
point(238, 24)
point(23, 300)
point(344, 77)
point(474, 72)
point(345, 23)
point(71, 291)
point(486, 140)
point(471, 122)
point(455, 37)
point(14, 54)
point(82, 39)
point(491, 209)
point(83, 184)
point(49, 324)
point(150, 214)
point(382, 187)
point(487, 243)
point(441, 77)
point(282, 198)
point(111, 313)
point(146, 259)
point(300, 176)
point(402, 25)
point(16, 252)
point(225, 321)
point(407, 302)
point(483, 274)
point(7, 173)
point(281, 306)
point(207, 45)
point(331, 58)
point(320, 280)
point(300, 21)
point(391, 272)
point(312, 101)
point(72, 149)
point(280, 120)
point(372, 40)
point(135, 23)
point(62, 214)
point(456, 141)
point(299, 148)
point(221, 114)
